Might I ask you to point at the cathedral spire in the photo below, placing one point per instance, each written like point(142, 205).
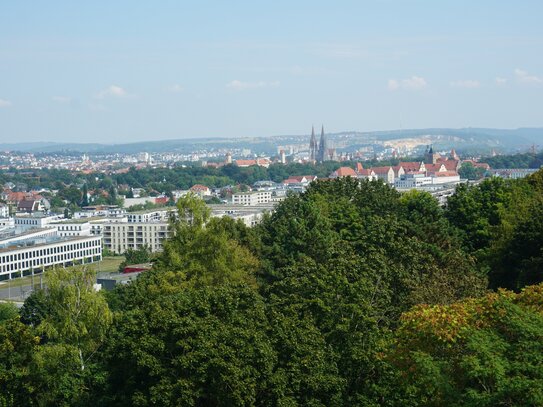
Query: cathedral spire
point(323, 147)
point(313, 147)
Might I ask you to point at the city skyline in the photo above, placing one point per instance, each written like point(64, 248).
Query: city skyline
point(180, 70)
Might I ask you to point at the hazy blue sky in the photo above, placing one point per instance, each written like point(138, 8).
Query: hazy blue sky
point(118, 71)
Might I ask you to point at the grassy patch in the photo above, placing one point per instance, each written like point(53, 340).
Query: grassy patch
point(109, 264)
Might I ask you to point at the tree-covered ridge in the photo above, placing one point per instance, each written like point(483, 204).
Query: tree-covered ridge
point(525, 160)
point(350, 294)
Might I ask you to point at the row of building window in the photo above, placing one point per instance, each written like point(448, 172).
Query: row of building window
point(40, 261)
point(47, 251)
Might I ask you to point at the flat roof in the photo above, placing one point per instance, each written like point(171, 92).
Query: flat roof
point(68, 239)
point(79, 220)
point(145, 211)
point(13, 233)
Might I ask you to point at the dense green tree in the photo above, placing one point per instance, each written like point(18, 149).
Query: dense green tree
point(469, 171)
point(35, 308)
point(201, 250)
point(84, 194)
point(478, 352)
point(18, 347)
point(65, 367)
point(8, 311)
point(205, 346)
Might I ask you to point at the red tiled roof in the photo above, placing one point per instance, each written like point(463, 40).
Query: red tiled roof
point(410, 166)
point(245, 162)
point(449, 164)
point(432, 167)
point(291, 181)
point(477, 165)
point(199, 187)
point(345, 172)
point(359, 167)
point(445, 174)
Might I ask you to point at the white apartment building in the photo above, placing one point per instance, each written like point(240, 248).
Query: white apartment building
point(4, 211)
point(73, 228)
point(97, 225)
point(118, 237)
point(33, 222)
point(159, 215)
point(100, 211)
point(251, 198)
point(30, 257)
point(445, 178)
point(412, 180)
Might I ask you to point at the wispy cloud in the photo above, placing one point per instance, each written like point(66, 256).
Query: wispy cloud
point(240, 85)
point(62, 99)
point(466, 83)
point(176, 88)
point(113, 91)
point(500, 80)
point(5, 103)
point(412, 83)
point(525, 77)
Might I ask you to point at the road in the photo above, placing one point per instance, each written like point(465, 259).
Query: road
point(20, 288)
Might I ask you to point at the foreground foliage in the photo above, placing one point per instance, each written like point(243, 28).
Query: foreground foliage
point(349, 294)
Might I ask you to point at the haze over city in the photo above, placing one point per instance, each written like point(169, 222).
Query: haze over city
point(116, 72)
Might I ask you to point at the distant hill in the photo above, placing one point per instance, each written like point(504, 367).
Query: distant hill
point(506, 140)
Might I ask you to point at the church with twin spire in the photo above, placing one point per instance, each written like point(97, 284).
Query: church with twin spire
point(318, 152)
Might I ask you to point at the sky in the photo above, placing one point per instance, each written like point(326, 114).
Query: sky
point(122, 71)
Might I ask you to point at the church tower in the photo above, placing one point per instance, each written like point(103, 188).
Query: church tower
point(323, 148)
point(313, 147)
point(430, 156)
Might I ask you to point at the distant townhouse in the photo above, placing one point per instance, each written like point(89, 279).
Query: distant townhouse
point(31, 205)
point(200, 190)
point(261, 162)
point(384, 173)
point(344, 172)
point(298, 183)
point(365, 173)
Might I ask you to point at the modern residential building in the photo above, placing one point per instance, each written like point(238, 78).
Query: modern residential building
point(72, 227)
point(25, 222)
point(119, 237)
point(513, 173)
point(412, 180)
point(152, 215)
point(100, 210)
point(251, 198)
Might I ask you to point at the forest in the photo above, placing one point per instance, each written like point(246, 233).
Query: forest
point(350, 294)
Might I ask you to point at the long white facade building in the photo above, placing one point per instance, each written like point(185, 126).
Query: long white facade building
point(29, 257)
